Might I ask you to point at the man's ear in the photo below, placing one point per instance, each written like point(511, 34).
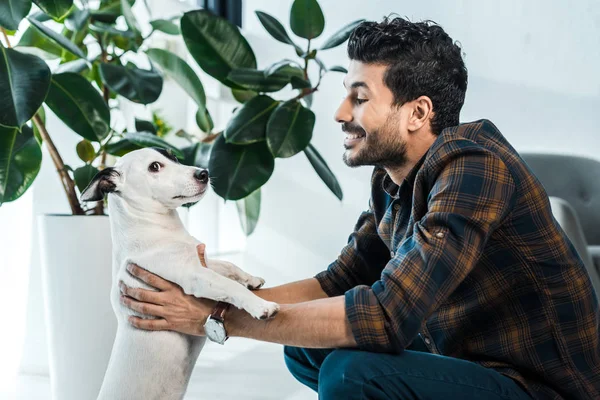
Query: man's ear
point(104, 182)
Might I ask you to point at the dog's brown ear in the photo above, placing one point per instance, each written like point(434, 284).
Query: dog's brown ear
point(104, 182)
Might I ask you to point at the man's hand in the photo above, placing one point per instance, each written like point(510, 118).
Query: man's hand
point(175, 310)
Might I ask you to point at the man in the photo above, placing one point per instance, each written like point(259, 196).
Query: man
point(457, 282)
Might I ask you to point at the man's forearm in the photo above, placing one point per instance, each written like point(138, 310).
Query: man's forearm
point(314, 324)
point(295, 292)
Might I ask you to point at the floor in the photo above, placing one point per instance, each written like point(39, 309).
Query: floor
point(242, 369)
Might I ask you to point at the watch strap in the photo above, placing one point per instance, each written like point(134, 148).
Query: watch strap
point(218, 313)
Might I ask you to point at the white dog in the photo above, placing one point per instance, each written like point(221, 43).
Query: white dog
point(144, 188)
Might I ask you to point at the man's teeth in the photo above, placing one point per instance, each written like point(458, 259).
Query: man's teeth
point(353, 136)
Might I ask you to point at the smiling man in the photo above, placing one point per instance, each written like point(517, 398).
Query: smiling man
point(457, 281)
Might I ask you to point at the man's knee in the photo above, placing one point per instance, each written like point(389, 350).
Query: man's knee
point(294, 358)
point(342, 374)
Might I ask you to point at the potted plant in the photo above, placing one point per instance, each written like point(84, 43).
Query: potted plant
point(72, 61)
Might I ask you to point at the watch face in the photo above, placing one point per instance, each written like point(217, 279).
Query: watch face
point(215, 331)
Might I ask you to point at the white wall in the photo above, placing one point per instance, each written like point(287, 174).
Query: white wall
point(533, 70)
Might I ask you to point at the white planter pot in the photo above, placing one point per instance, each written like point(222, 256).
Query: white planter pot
point(76, 256)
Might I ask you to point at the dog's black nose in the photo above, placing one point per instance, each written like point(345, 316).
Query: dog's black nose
point(201, 175)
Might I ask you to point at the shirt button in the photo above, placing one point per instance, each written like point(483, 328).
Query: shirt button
point(396, 207)
point(427, 341)
point(440, 234)
point(392, 254)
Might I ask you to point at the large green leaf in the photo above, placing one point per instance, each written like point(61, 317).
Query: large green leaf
point(144, 126)
point(125, 40)
point(323, 170)
point(12, 12)
point(35, 43)
point(138, 85)
point(165, 26)
point(275, 28)
point(79, 105)
point(306, 19)
point(129, 17)
point(20, 161)
point(248, 211)
point(76, 66)
point(146, 139)
point(236, 171)
point(197, 155)
point(85, 150)
point(204, 120)
point(61, 40)
point(57, 9)
point(253, 79)
point(249, 122)
point(108, 11)
point(289, 129)
point(121, 147)
point(83, 176)
point(341, 36)
point(180, 72)
point(243, 96)
point(216, 44)
point(24, 82)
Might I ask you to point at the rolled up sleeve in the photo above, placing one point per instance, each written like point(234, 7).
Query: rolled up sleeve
point(470, 196)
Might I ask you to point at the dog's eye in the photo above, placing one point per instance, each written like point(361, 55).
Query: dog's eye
point(154, 167)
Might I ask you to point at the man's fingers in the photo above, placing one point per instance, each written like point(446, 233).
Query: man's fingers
point(201, 248)
point(149, 324)
point(145, 295)
point(148, 277)
point(142, 308)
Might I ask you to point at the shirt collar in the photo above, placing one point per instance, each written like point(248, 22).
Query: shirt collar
point(392, 188)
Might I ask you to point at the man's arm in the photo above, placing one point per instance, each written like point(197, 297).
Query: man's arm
point(292, 293)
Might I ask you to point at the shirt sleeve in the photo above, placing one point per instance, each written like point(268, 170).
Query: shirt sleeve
point(361, 260)
point(469, 198)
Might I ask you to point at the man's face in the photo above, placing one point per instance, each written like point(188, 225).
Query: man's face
point(376, 131)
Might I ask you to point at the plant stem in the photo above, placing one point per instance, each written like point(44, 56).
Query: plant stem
point(65, 179)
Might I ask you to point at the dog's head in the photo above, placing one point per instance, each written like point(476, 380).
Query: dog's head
point(149, 178)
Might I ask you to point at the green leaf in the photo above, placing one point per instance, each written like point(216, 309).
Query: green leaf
point(275, 28)
point(288, 67)
point(243, 96)
point(108, 11)
point(12, 12)
point(341, 36)
point(35, 43)
point(256, 80)
point(323, 170)
point(20, 161)
point(61, 40)
point(129, 17)
point(165, 26)
point(125, 40)
point(57, 9)
point(197, 155)
point(77, 20)
point(248, 211)
point(121, 147)
point(146, 139)
point(338, 68)
point(204, 121)
point(176, 68)
point(84, 175)
point(76, 66)
point(299, 83)
point(144, 126)
point(308, 99)
point(81, 107)
point(216, 44)
point(138, 85)
point(85, 150)
point(24, 82)
point(237, 171)
point(289, 129)
point(248, 124)
point(306, 19)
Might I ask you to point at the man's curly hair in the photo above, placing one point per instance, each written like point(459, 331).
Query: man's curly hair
point(423, 61)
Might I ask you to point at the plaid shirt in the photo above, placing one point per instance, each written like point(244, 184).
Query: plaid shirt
point(466, 253)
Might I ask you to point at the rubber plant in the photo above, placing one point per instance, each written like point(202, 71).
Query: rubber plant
point(89, 78)
point(266, 126)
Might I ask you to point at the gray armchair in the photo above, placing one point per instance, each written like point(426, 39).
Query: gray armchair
point(573, 184)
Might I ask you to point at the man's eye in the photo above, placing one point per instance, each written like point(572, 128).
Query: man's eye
point(154, 167)
point(360, 101)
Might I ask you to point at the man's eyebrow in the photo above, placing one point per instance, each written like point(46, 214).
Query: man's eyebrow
point(358, 84)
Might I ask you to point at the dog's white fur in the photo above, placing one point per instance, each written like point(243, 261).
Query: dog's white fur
point(146, 230)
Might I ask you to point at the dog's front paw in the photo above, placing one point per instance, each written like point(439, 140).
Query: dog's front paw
point(266, 310)
point(255, 283)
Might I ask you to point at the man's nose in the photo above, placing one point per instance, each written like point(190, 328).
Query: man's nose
point(201, 175)
point(344, 112)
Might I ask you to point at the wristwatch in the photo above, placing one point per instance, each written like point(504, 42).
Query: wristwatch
point(214, 327)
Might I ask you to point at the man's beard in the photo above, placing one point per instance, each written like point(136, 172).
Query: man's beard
point(382, 147)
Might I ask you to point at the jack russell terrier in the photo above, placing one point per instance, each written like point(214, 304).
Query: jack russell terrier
point(144, 189)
